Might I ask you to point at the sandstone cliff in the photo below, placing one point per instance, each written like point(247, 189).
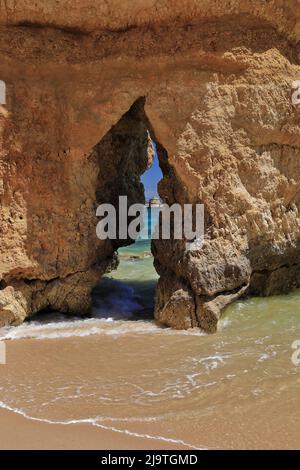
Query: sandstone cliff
point(211, 82)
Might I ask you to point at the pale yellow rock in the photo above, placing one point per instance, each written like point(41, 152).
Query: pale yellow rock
point(212, 82)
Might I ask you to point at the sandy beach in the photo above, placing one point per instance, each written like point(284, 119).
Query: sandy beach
point(20, 433)
point(229, 401)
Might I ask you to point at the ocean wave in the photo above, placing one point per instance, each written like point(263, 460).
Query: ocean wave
point(79, 328)
point(88, 327)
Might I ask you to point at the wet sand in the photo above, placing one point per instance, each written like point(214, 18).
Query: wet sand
point(20, 433)
point(227, 417)
point(126, 383)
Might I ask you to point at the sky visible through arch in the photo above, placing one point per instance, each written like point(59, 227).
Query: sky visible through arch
point(151, 177)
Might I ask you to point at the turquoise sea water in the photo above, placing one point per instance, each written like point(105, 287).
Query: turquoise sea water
point(119, 370)
point(128, 292)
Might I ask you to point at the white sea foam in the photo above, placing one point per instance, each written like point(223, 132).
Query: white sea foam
point(88, 327)
point(224, 323)
point(77, 328)
point(114, 313)
point(95, 422)
point(265, 356)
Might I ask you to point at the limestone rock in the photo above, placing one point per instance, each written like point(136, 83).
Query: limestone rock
point(86, 84)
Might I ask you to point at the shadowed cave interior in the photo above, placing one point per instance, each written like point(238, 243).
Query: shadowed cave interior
point(130, 163)
point(128, 291)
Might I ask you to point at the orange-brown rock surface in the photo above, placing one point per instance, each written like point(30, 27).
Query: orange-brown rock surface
point(211, 81)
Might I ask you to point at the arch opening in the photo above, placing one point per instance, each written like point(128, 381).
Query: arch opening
point(128, 291)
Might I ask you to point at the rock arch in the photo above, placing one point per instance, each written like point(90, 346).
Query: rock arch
point(219, 104)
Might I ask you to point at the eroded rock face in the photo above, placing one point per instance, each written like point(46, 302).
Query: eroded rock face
point(51, 257)
point(216, 84)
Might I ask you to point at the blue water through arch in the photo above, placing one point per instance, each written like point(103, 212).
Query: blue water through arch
point(127, 293)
